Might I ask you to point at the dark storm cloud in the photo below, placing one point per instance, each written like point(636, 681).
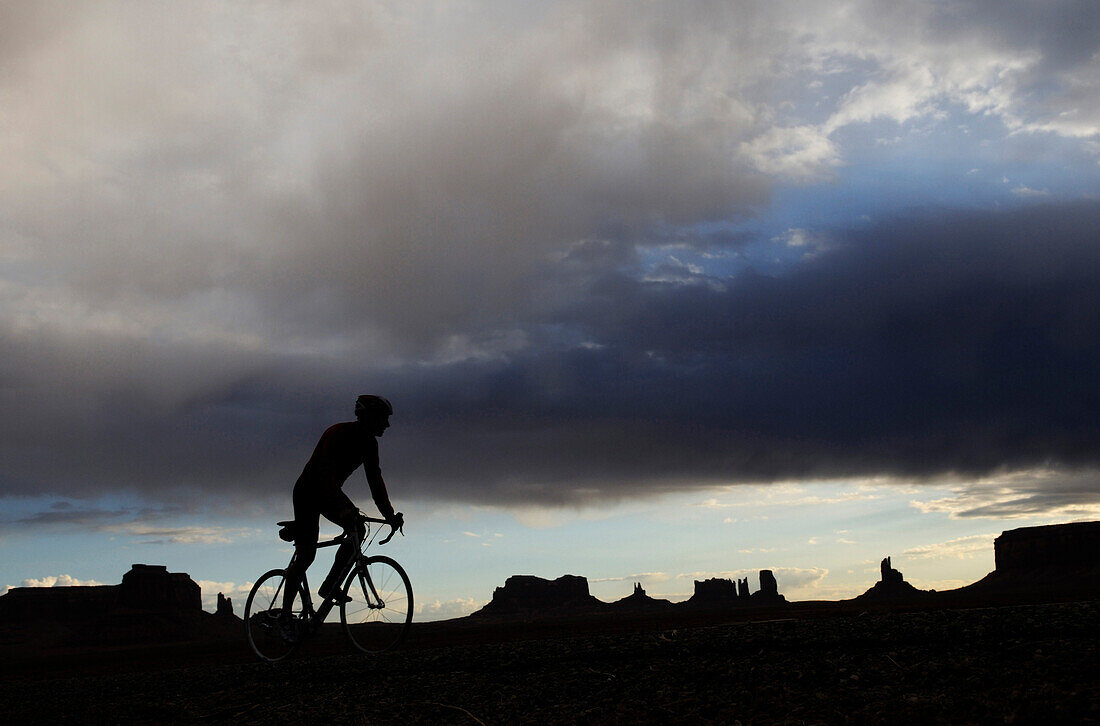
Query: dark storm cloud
point(941, 343)
point(65, 514)
point(1023, 494)
point(961, 343)
point(1065, 32)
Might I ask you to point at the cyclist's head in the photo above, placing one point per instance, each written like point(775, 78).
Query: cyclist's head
point(372, 408)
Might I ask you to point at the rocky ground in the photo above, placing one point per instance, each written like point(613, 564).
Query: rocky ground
point(1018, 664)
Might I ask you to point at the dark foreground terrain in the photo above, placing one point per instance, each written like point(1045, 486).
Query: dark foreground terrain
point(1012, 664)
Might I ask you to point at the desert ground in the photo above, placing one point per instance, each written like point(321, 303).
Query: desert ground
point(1008, 664)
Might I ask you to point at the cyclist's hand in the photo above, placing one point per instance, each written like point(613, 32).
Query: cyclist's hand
point(397, 523)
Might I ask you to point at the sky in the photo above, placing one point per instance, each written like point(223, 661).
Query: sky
point(659, 291)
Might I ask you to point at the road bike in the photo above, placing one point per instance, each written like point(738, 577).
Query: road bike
point(376, 614)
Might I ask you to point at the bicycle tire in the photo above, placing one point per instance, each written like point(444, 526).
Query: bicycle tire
point(261, 615)
point(373, 629)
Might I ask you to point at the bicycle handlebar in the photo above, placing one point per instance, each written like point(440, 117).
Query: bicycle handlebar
point(399, 518)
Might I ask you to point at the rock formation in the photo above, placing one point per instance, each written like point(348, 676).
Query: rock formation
point(1049, 562)
point(720, 591)
point(888, 574)
point(144, 589)
point(225, 607)
point(153, 587)
point(714, 591)
point(638, 600)
point(527, 594)
point(1065, 547)
point(768, 586)
point(769, 590)
point(891, 586)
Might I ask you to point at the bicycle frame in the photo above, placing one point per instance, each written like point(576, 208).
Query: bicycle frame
point(314, 618)
point(372, 624)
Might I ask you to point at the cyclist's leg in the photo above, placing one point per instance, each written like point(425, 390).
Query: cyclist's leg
point(340, 510)
point(306, 530)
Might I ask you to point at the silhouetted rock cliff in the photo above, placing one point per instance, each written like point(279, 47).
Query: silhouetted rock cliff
point(153, 587)
point(527, 595)
point(1051, 561)
point(145, 588)
point(1066, 548)
point(714, 591)
point(151, 605)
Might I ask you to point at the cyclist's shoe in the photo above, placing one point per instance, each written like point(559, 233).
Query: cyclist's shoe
point(335, 595)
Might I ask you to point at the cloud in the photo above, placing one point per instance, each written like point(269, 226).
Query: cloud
point(445, 610)
point(1041, 492)
point(646, 577)
point(802, 153)
point(64, 513)
point(238, 593)
point(58, 581)
point(786, 495)
point(1028, 192)
point(179, 535)
point(52, 581)
point(375, 188)
point(958, 548)
point(141, 523)
point(924, 346)
point(215, 234)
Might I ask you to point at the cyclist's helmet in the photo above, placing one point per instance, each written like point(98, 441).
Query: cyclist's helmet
point(369, 406)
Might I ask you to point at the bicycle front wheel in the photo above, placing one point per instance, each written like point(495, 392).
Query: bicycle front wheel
point(270, 636)
point(380, 611)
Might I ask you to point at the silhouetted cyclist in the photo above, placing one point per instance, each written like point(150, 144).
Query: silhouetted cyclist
point(319, 492)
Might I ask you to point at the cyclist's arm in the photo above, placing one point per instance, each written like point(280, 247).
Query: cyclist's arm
point(376, 482)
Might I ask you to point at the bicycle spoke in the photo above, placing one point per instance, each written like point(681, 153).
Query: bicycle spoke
point(271, 636)
point(377, 619)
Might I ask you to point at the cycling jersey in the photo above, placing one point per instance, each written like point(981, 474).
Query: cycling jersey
point(342, 449)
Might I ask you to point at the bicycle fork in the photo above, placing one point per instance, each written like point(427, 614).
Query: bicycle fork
point(374, 601)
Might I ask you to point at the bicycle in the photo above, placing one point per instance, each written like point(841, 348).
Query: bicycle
point(377, 617)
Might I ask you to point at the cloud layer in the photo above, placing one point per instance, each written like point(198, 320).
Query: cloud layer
point(525, 225)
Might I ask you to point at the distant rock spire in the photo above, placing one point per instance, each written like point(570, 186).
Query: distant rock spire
point(889, 574)
point(891, 585)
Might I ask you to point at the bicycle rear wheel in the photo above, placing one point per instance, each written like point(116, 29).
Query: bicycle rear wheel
point(377, 618)
point(267, 637)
